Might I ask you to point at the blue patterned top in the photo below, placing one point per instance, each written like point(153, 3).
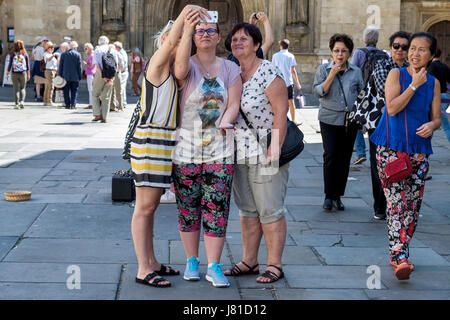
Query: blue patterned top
point(417, 113)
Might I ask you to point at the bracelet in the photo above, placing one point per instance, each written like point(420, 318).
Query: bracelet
point(412, 87)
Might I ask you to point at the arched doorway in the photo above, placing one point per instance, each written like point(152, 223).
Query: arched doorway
point(441, 31)
point(230, 13)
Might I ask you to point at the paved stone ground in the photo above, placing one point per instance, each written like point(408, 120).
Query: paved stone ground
point(67, 162)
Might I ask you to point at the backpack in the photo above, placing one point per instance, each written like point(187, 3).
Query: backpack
point(372, 57)
point(109, 65)
point(19, 64)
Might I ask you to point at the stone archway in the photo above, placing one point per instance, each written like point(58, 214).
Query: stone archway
point(441, 31)
point(230, 13)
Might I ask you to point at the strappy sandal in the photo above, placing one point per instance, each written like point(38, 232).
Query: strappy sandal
point(272, 275)
point(236, 271)
point(403, 271)
point(163, 272)
point(155, 283)
point(395, 265)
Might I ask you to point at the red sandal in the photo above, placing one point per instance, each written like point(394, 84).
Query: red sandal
point(403, 270)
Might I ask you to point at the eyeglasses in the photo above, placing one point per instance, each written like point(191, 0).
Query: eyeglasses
point(209, 32)
point(397, 46)
point(337, 51)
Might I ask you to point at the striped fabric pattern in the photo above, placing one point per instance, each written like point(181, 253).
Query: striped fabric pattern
point(155, 136)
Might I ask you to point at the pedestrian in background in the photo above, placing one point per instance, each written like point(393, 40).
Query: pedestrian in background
point(37, 73)
point(442, 72)
point(71, 69)
point(365, 59)
point(337, 84)
point(103, 78)
point(137, 66)
point(89, 68)
point(51, 68)
point(412, 114)
point(370, 106)
point(19, 69)
point(116, 95)
point(285, 61)
point(124, 73)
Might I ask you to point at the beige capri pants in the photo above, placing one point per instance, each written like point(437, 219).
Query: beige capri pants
point(259, 195)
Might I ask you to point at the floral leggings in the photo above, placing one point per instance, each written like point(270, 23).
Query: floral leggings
point(404, 199)
point(203, 190)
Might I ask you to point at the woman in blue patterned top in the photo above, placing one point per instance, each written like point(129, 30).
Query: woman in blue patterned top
point(411, 115)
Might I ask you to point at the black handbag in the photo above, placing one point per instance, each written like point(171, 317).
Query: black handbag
point(130, 132)
point(293, 142)
point(123, 188)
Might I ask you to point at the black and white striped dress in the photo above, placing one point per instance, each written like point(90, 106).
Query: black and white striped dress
point(155, 136)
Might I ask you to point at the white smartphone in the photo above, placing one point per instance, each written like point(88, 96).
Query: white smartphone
point(214, 17)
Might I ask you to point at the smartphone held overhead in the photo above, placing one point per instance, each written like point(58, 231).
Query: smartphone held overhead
point(214, 17)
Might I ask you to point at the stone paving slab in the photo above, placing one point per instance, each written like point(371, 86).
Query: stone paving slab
point(379, 228)
point(56, 291)
point(376, 256)
point(180, 289)
point(424, 277)
point(80, 251)
point(177, 254)
point(85, 221)
point(408, 294)
point(257, 294)
point(327, 277)
point(58, 272)
point(6, 243)
point(17, 217)
point(321, 294)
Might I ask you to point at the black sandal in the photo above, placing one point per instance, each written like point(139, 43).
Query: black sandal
point(236, 271)
point(163, 272)
point(155, 282)
point(272, 275)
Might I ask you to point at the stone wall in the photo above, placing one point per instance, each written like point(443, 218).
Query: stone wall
point(7, 20)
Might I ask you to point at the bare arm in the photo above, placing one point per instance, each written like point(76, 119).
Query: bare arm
point(234, 103)
point(277, 95)
point(269, 39)
point(395, 100)
point(427, 129)
point(295, 76)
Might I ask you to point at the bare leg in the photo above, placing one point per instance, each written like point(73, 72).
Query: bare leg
point(292, 110)
point(251, 238)
point(214, 248)
point(275, 237)
point(191, 242)
point(147, 200)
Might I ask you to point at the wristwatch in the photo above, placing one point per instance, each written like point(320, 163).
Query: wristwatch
point(413, 88)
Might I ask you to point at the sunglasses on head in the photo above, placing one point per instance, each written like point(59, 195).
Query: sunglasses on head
point(397, 46)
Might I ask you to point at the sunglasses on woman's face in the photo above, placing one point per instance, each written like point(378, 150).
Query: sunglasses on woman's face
point(397, 46)
point(209, 32)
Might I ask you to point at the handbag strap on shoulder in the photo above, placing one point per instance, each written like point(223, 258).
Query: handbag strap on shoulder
point(406, 122)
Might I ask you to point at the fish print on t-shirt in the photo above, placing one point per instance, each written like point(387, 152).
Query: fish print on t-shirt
point(211, 91)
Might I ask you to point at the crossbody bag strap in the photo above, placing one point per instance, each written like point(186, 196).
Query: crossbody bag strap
point(406, 122)
point(342, 89)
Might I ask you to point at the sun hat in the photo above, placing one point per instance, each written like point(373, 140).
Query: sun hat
point(59, 82)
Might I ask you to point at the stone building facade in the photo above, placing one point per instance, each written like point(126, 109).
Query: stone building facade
point(308, 24)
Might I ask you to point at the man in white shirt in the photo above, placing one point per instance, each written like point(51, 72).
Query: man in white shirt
point(102, 87)
point(118, 102)
point(285, 61)
point(124, 74)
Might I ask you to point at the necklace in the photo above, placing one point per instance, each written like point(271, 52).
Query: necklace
point(208, 75)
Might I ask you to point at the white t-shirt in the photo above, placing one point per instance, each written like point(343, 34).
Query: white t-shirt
point(284, 60)
point(38, 53)
point(52, 64)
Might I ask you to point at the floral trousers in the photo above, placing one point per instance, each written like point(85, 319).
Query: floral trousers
point(203, 191)
point(404, 200)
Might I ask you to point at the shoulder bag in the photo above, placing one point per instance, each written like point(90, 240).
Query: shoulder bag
point(130, 132)
point(401, 168)
point(293, 142)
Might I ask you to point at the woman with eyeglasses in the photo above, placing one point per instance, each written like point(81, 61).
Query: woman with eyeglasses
point(337, 84)
point(203, 158)
point(412, 114)
point(152, 148)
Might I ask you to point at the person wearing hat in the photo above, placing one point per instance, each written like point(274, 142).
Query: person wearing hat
point(51, 67)
point(71, 69)
point(36, 73)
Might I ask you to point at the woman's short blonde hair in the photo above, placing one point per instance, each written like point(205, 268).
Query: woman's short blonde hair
point(49, 45)
point(88, 45)
point(160, 34)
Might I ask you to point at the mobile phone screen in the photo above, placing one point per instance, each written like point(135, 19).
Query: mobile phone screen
point(214, 17)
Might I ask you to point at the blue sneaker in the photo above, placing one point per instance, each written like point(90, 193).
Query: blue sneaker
point(216, 276)
point(191, 271)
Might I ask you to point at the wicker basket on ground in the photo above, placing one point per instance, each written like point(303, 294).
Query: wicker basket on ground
point(17, 195)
